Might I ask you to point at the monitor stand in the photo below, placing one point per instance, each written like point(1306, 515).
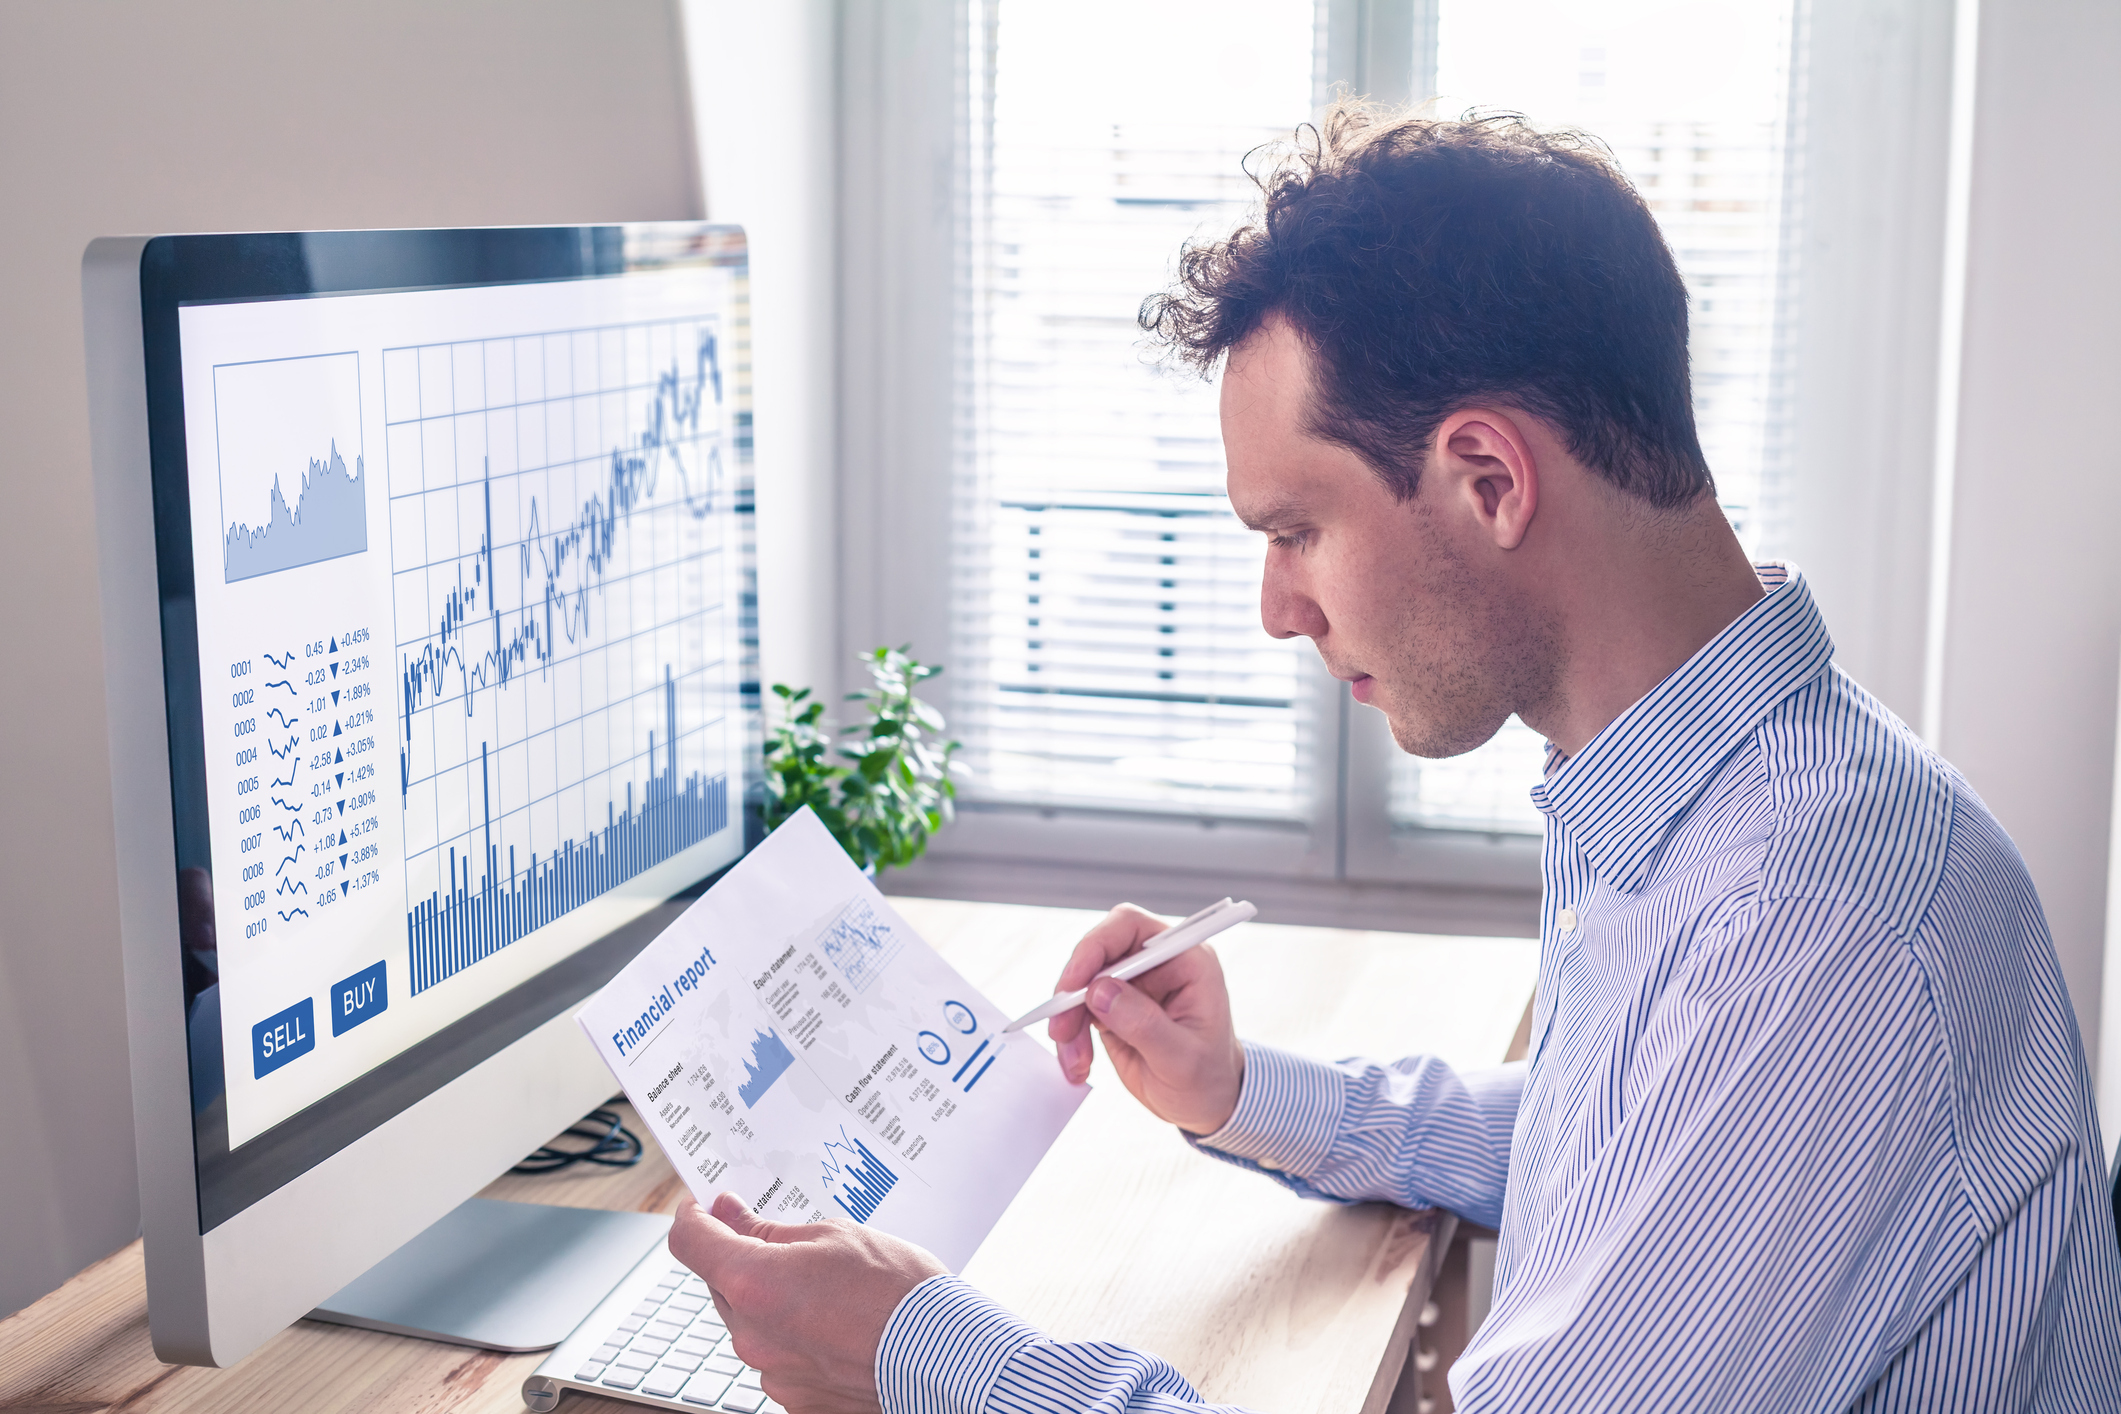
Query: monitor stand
point(499, 1276)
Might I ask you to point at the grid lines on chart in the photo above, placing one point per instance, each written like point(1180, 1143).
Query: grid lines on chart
point(562, 689)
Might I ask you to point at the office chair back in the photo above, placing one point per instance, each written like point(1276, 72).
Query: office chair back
point(2117, 1192)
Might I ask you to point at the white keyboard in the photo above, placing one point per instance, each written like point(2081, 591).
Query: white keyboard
point(655, 1340)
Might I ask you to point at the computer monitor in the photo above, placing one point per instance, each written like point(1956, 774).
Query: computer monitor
point(427, 589)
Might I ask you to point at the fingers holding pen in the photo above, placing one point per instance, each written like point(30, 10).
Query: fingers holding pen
point(1122, 931)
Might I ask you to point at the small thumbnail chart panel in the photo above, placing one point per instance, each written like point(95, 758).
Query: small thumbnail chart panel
point(560, 573)
point(860, 944)
point(290, 462)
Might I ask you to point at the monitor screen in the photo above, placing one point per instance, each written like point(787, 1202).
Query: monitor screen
point(454, 532)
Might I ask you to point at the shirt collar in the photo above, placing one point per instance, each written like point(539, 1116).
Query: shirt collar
point(1622, 793)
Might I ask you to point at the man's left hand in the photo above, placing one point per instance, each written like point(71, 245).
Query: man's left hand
point(805, 1304)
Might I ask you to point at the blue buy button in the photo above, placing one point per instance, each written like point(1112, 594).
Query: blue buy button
point(281, 1037)
point(357, 998)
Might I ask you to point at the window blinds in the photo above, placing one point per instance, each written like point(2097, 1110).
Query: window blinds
point(1108, 647)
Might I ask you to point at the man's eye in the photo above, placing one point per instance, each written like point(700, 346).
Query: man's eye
point(1286, 542)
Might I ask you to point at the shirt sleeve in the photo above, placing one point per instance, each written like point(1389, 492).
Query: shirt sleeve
point(1413, 1132)
point(949, 1349)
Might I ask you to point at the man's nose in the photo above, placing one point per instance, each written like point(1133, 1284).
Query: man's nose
point(1285, 611)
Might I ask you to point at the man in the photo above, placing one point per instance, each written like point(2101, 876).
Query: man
point(1807, 1123)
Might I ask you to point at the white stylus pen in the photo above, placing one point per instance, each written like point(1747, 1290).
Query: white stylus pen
point(1166, 945)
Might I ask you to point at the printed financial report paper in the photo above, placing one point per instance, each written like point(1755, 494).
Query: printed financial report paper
point(791, 1040)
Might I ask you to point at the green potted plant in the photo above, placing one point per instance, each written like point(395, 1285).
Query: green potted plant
point(885, 786)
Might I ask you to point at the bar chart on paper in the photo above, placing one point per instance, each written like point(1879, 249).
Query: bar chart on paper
point(855, 1178)
point(563, 593)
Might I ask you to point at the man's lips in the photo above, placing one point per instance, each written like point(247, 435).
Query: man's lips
point(1361, 685)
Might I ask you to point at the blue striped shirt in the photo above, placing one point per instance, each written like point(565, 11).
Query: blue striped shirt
point(1806, 1123)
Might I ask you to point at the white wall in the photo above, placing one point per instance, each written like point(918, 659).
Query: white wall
point(902, 105)
point(1872, 121)
point(764, 83)
point(128, 116)
point(2032, 627)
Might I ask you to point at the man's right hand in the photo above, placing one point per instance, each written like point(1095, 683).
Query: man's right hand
point(1168, 1031)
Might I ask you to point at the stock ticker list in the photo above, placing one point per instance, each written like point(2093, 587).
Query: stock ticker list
point(305, 744)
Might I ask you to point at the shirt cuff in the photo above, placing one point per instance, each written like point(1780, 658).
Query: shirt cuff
point(943, 1348)
point(1288, 1110)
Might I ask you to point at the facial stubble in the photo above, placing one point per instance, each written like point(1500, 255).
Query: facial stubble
point(1466, 650)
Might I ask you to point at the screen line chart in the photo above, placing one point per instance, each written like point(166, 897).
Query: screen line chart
point(585, 546)
point(560, 581)
point(284, 430)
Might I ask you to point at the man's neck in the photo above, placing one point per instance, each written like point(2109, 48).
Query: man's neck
point(1633, 611)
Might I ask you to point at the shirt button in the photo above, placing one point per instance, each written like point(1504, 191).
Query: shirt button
point(1567, 919)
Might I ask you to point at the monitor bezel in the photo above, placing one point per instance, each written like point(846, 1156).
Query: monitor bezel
point(180, 270)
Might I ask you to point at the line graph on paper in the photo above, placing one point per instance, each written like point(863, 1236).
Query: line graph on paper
point(562, 595)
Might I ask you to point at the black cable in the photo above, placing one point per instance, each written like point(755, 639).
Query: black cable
point(614, 1146)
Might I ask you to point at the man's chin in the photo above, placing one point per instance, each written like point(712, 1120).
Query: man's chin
point(1436, 740)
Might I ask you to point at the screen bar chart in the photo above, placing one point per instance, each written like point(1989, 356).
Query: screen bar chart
point(474, 917)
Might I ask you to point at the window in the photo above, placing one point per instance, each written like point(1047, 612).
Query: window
point(1117, 699)
point(1108, 649)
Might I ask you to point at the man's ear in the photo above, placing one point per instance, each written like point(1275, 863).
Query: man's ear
point(1486, 467)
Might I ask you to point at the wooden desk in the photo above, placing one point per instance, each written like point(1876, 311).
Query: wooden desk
point(1260, 1298)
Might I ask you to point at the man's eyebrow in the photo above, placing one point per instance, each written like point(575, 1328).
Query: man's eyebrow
point(1275, 513)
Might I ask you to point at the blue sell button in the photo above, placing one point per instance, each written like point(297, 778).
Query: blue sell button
point(357, 998)
point(281, 1037)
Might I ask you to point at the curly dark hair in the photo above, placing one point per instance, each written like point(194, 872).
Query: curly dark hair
point(1432, 264)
